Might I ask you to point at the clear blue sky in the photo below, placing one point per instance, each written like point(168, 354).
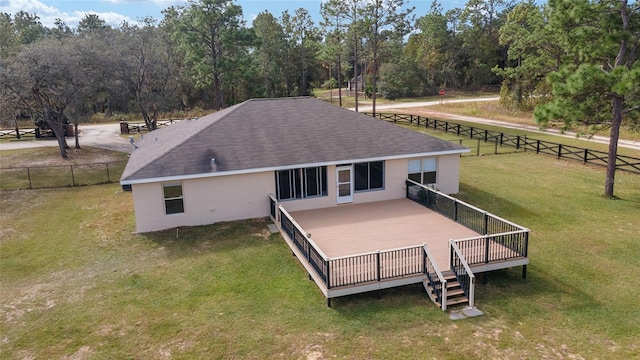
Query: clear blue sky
point(116, 11)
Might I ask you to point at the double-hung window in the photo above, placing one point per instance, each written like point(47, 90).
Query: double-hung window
point(173, 199)
point(369, 176)
point(301, 183)
point(423, 171)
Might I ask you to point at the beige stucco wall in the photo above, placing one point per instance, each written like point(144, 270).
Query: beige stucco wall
point(448, 180)
point(206, 201)
point(236, 197)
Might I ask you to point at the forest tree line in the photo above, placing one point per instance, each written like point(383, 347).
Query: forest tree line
point(573, 61)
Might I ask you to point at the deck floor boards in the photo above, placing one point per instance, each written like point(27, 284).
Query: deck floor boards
point(360, 228)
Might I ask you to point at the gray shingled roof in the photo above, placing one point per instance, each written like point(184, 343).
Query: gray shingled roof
point(272, 133)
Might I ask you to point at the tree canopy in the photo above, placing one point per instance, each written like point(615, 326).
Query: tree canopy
point(573, 61)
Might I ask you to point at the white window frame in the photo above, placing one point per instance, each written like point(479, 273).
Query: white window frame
point(421, 166)
point(165, 198)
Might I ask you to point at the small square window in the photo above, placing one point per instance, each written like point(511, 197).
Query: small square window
point(173, 199)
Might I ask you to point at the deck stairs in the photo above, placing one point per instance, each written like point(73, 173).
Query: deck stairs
point(455, 294)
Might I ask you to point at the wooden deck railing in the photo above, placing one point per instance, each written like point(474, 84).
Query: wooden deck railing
point(459, 211)
point(462, 271)
point(435, 278)
point(310, 251)
point(353, 269)
point(497, 247)
point(501, 239)
point(273, 209)
point(375, 266)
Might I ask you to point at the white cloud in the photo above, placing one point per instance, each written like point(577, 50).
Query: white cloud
point(48, 14)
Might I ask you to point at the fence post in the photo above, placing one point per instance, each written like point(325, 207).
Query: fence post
point(486, 132)
point(517, 142)
point(559, 151)
point(458, 131)
point(471, 133)
point(501, 138)
point(29, 176)
point(446, 126)
point(537, 146)
point(586, 154)
point(73, 179)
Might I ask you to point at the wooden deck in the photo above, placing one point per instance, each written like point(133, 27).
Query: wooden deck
point(360, 228)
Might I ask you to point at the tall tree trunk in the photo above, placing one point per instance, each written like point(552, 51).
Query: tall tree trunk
point(616, 104)
point(355, 67)
point(75, 134)
point(58, 130)
point(339, 80)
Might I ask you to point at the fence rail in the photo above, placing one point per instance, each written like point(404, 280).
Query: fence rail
point(127, 128)
point(40, 177)
point(519, 142)
point(31, 133)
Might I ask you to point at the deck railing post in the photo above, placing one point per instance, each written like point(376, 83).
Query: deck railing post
point(486, 248)
point(328, 262)
point(455, 211)
point(485, 227)
point(378, 265)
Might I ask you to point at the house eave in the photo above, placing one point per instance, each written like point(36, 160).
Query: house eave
point(284, 167)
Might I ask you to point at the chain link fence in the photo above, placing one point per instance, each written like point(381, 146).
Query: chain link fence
point(40, 177)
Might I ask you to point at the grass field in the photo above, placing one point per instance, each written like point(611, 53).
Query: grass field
point(76, 283)
point(46, 169)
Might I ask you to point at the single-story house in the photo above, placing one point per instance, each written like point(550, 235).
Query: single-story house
point(352, 83)
point(307, 153)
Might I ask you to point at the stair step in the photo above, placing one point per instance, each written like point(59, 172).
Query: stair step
point(457, 300)
point(455, 292)
point(452, 284)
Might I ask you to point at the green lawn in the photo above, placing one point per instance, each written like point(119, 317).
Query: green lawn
point(76, 283)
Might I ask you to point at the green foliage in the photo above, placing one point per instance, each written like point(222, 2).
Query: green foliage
point(395, 81)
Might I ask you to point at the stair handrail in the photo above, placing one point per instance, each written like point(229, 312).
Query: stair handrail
point(470, 292)
point(431, 260)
